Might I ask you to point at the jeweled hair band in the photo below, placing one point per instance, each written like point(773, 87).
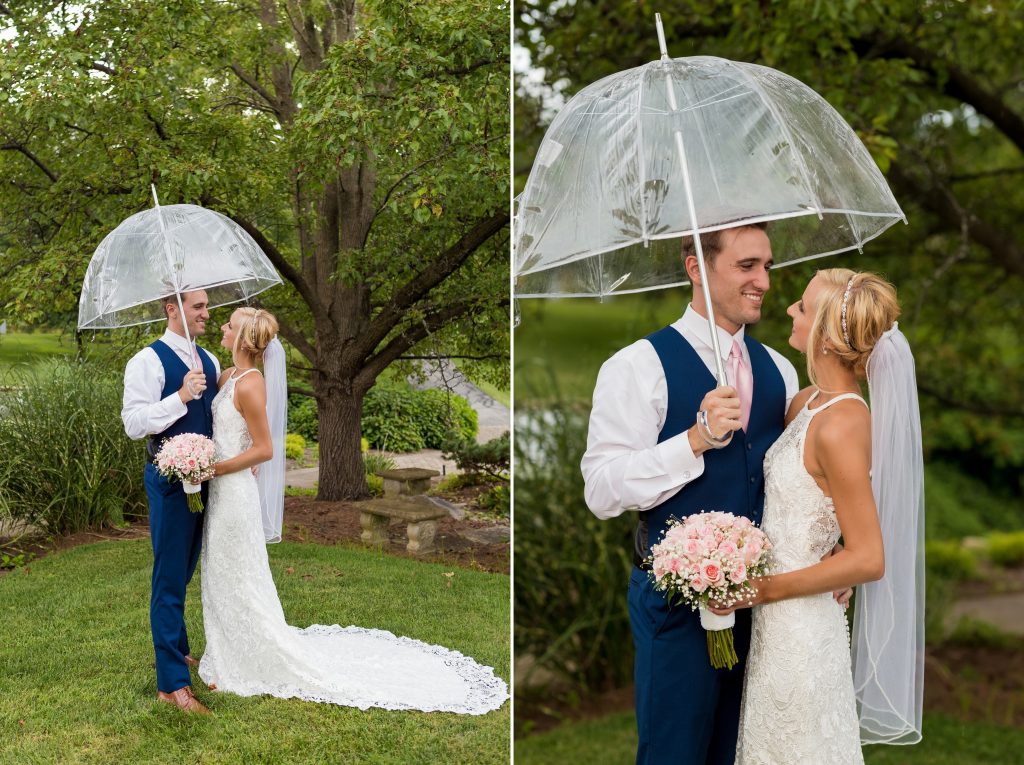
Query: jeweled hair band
point(846, 299)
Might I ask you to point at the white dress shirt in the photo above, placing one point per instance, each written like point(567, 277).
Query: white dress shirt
point(143, 411)
point(625, 468)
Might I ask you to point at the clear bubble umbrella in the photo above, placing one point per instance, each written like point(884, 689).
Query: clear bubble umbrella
point(164, 252)
point(676, 147)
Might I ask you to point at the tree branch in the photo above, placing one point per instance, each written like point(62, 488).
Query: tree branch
point(256, 87)
point(413, 334)
point(99, 66)
point(957, 83)
point(940, 200)
point(474, 66)
point(287, 270)
point(974, 407)
point(435, 272)
point(296, 338)
point(995, 173)
point(24, 150)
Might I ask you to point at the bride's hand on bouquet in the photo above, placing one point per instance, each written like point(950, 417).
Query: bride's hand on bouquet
point(756, 599)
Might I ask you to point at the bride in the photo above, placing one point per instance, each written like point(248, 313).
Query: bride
point(250, 649)
point(840, 471)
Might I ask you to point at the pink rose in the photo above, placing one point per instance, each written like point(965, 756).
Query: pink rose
point(712, 572)
point(751, 552)
point(727, 547)
point(738, 574)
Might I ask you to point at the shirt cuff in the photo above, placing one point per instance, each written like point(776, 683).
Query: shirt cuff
point(679, 460)
point(174, 406)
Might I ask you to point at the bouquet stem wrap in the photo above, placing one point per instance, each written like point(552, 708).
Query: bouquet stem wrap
point(721, 649)
point(195, 502)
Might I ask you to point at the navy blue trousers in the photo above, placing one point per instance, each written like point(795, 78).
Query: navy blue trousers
point(177, 536)
point(687, 713)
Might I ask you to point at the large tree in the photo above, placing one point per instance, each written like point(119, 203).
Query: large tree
point(364, 146)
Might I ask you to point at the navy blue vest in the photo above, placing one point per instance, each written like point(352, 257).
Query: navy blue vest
point(733, 477)
point(198, 417)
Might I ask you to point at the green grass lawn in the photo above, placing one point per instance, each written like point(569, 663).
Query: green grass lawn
point(77, 683)
point(20, 349)
point(561, 344)
point(612, 740)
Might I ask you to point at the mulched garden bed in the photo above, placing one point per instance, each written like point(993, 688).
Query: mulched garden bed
point(307, 520)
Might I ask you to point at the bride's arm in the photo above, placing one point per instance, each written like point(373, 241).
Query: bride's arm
point(251, 398)
point(843, 450)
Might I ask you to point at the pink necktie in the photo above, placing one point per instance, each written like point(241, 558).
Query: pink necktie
point(742, 379)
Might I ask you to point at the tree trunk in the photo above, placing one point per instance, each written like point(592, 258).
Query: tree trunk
point(341, 455)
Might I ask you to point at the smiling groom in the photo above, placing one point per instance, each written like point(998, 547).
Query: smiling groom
point(647, 454)
point(163, 397)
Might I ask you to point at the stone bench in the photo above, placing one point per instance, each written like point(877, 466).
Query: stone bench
point(406, 481)
point(420, 517)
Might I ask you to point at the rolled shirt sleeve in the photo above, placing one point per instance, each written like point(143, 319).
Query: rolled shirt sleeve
point(624, 467)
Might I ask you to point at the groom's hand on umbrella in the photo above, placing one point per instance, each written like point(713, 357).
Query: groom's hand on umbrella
point(193, 386)
point(723, 408)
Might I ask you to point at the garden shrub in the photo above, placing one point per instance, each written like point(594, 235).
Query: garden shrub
point(496, 500)
point(376, 485)
point(294, 447)
point(491, 458)
point(303, 417)
point(68, 464)
point(400, 418)
point(948, 560)
point(1006, 548)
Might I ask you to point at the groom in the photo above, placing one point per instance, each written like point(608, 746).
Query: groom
point(646, 453)
point(163, 397)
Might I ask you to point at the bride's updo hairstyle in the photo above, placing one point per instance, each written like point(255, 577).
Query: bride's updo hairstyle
point(255, 330)
point(870, 310)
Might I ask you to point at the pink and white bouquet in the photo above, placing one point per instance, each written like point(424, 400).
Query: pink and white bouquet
point(188, 457)
point(711, 556)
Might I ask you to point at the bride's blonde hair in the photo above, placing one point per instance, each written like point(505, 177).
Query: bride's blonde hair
point(871, 309)
point(256, 328)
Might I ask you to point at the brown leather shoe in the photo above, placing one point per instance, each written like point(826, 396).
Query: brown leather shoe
point(183, 700)
point(191, 661)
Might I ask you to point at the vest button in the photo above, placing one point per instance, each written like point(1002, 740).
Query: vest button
point(749, 447)
point(753, 479)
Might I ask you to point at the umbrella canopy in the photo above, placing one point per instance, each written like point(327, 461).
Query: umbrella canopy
point(678, 146)
point(170, 250)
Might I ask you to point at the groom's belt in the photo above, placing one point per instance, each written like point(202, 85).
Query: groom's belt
point(640, 547)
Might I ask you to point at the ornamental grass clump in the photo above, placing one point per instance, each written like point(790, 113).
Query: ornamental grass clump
point(68, 464)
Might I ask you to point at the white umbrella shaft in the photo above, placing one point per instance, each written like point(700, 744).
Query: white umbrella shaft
point(680, 149)
point(177, 292)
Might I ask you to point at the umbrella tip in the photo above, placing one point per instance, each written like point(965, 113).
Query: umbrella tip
point(156, 201)
point(661, 36)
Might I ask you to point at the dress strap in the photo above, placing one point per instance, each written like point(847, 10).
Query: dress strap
point(840, 397)
point(247, 371)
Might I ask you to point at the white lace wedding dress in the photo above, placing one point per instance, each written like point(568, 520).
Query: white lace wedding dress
point(251, 650)
point(798, 703)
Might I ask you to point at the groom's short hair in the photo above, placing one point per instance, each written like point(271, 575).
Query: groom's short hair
point(711, 242)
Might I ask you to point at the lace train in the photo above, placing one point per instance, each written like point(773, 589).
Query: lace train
point(251, 649)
